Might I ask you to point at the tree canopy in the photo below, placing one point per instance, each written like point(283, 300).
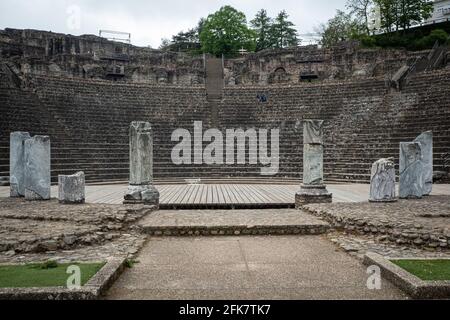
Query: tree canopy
point(341, 27)
point(262, 25)
point(282, 32)
point(226, 32)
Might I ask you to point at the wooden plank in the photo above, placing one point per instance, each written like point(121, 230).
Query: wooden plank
point(204, 194)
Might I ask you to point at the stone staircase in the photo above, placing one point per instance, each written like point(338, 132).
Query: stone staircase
point(4, 181)
point(88, 123)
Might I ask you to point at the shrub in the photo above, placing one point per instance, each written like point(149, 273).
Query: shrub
point(438, 35)
point(367, 41)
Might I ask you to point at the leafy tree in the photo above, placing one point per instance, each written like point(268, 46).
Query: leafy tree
point(341, 27)
point(225, 32)
point(361, 9)
point(188, 41)
point(396, 14)
point(262, 25)
point(413, 11)
point(282, 34)
point(165, 43)
point(389, 14)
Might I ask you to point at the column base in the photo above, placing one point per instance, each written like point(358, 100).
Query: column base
point(144, 194)
point(312, 194)
point(384, 200)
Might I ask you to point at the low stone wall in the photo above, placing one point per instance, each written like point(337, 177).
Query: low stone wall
point(35, 227)
point(423, 223)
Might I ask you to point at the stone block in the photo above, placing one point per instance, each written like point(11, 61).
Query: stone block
point(142, 194)
point(17, 163)
point(312, 164)
point(313, 131)
point(382, 181)
point(312, 194)
point(411, 171)
point(426, 145)
point(37, 168)
point(71, 189)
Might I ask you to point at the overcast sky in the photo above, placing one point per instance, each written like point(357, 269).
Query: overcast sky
point(149, 20)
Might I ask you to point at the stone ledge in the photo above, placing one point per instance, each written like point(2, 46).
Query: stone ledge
point(412, 285)
point(92, 290)
point(399, 222)
point(235, 222)
point(194, 231)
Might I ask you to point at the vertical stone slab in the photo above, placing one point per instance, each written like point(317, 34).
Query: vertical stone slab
point(141, 189)
point(382, 181)
point(313, 164)
point(426, 145)
point(313, 132)
point(141, 153)
point(412, 182)
point(312, 190)
point(37, 168)
point(17, 163)
point(71, 189)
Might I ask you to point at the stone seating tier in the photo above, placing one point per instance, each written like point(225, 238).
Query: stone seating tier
point(88, 122)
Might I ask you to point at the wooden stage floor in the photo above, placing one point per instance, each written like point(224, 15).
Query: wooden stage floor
point(227, 195)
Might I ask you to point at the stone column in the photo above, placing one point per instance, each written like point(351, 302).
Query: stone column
point(426, 145)
point(382, 181)
point(313, 189)
point(17, 163)
point(141, 189)
point(71, 189)
point(412, 183)
point(37, 168)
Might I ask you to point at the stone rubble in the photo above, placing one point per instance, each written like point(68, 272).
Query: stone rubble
point(420, 223)
point(39, 227)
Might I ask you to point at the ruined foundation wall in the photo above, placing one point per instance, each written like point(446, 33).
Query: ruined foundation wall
point(91, 57)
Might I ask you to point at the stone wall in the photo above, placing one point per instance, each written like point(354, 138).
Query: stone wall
point(311, 63)
point(91, 57)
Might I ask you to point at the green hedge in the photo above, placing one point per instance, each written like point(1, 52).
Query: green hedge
point(412, 41)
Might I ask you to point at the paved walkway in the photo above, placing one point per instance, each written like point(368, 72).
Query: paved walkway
point(246, 194)
point(262, 267)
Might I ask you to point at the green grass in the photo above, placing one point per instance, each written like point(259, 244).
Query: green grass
point(426, 269)
point(47, 274)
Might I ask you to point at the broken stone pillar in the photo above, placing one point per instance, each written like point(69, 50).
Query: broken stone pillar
point(37, 168)
point(312, 190)
point(17, 163)
point(382, 181)
point(426, 145)
point(71, 189)
point(141, 189)
point(412, 183)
